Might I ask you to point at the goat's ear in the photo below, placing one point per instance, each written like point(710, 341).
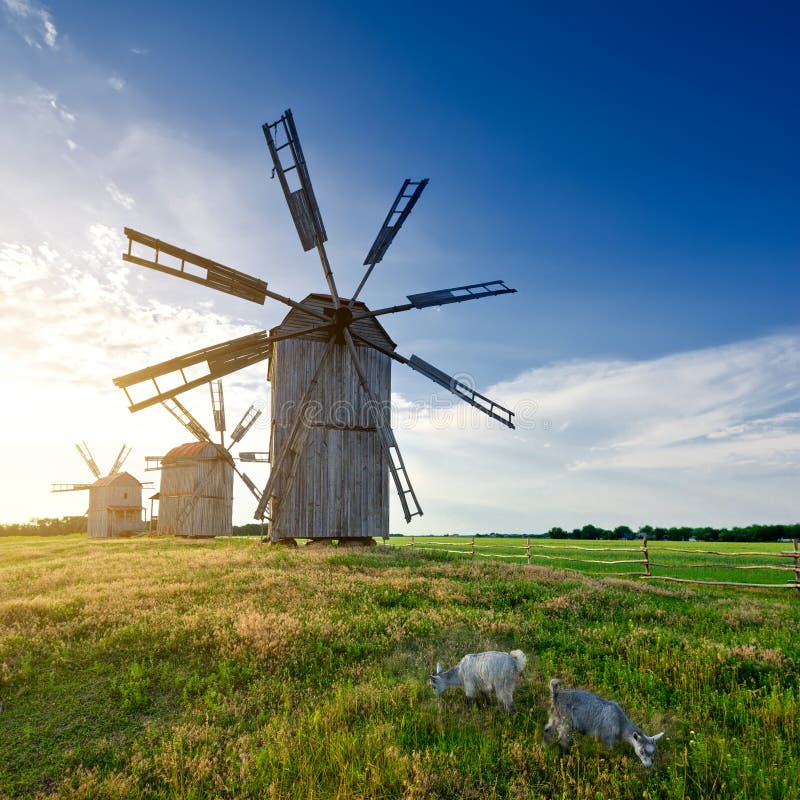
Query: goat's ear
point(656, 737)
point(637, 737)
point(438, 667)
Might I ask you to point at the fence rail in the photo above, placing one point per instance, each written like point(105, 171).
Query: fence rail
point(534, 552)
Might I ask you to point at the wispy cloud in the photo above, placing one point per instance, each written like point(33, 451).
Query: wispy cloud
point(72, 318)
point(116, 83)
point(710, 435)
point(120, 197)
point(33, 22)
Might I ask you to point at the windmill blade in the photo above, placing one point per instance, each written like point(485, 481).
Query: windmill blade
point(250, 485)
point(246, 480)
point(69, 487)
point(121, 457)
point(282, 136)
point(466, 393)
point(458, 294)
point(397, 467)
point(292, 449)
point(219, 360)
point(86, 455)
point(153, 463)
point(245, 423)
point(259, 457)
point(401, 208)
point(218, 408)
point(302, 202)
point(217, 276)
point(440, 297)
point(181, 413)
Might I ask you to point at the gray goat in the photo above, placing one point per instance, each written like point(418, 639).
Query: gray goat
point(584, 712)
point(487, 672)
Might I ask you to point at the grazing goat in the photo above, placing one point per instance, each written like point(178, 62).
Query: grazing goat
point(584, 712)
point(487, 672)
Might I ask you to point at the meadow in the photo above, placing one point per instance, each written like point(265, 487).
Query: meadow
point(733, 562)
point(161, 668)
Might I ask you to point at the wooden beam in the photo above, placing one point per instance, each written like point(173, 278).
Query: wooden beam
point(218, 276)
point(220, 360)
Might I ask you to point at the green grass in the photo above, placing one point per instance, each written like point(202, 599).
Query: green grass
point(709, 561)
point(171, 669)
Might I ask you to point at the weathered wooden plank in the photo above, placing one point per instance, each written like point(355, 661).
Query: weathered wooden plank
point(212, 511)
point(341, 488)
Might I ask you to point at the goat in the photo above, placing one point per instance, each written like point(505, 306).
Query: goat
point(487, 672)
point(585, 712)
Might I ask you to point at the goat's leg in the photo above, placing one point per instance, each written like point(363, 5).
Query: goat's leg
point(505, 696)
point(564, 737)
point(470, 692)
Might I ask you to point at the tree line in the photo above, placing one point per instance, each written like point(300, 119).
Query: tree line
point(45, 526)
point(749, 533)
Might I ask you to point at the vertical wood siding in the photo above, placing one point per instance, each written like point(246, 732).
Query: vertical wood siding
point(212, 512)
point(112, 491)
point(342, 484)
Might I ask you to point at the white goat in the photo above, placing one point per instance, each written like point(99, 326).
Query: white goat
point(585, 712)
point(487, 672)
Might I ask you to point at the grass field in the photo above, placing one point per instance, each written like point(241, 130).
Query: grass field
point(709, 561)
point(172, 669)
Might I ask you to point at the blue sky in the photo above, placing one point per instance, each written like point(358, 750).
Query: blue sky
point(632, 172)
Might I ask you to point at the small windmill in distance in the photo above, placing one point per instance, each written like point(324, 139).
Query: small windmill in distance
point(195, 496)
point(331, 442)
point(115, 500)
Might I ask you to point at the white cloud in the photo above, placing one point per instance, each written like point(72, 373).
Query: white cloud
point(116, 83)
point(708, 436)
point(120, 197)
point(33, 22)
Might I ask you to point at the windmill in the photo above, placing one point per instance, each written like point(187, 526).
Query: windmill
point(329, 470)
point(195, 497)
point(115, 500)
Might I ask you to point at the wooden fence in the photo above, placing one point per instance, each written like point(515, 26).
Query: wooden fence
point(653, 559)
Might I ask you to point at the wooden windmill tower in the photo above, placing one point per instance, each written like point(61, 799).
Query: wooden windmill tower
point(331, 441)
point(195, 497)
point(115, 500)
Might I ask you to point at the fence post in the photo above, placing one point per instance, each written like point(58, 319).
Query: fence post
point(412, 542)
point(528, 548)
point(646, 556)
point(796, 564)
point(472, 554)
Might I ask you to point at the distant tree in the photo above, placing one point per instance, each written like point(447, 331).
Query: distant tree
point(248, 529)
point(591, 532)
point(623, 532)
point(645, 530)
point(46, 527)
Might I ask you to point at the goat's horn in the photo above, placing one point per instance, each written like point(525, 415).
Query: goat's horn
point(656, 737)
point(438, 667)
